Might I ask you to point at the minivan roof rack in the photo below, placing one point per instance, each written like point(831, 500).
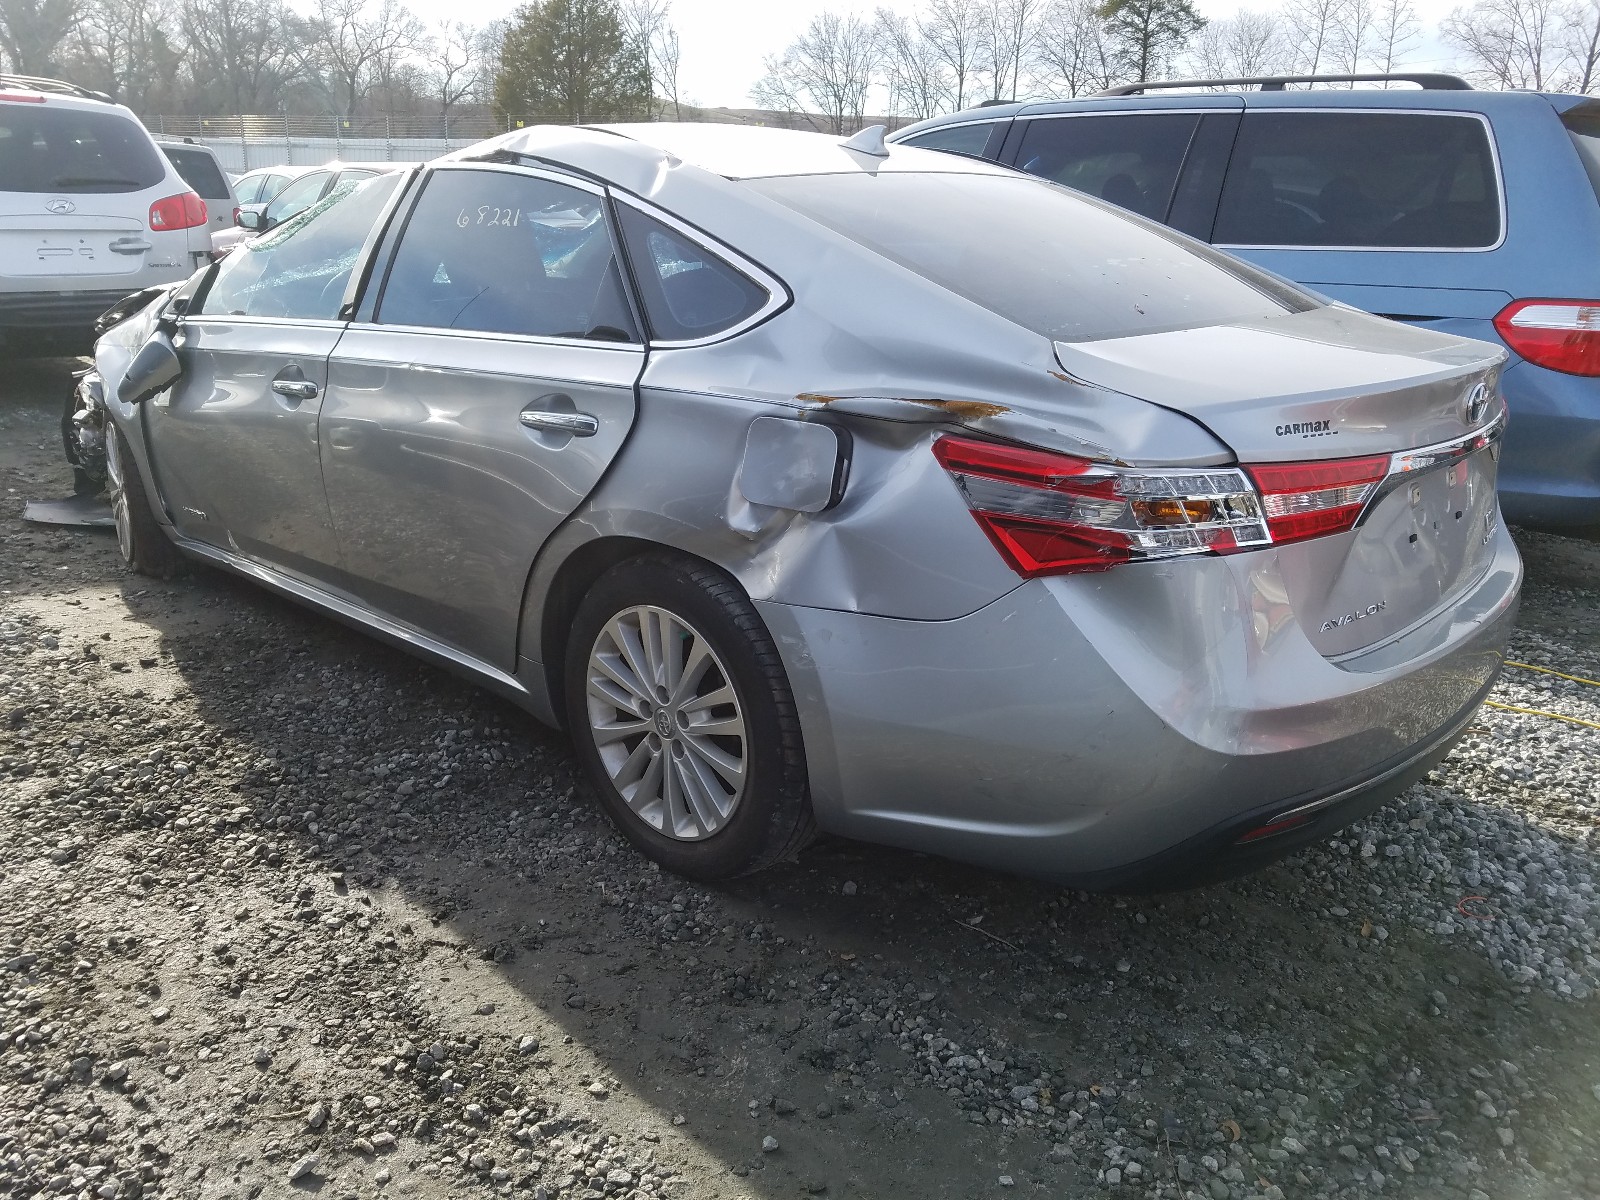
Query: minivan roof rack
point(1427, 80)
point(38, 83)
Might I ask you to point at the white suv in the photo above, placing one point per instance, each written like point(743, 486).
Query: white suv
point(90, 211)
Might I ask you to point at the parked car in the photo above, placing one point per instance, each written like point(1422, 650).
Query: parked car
point(89, 212)
point(305, 189)
point(1453, 209)
point(1069, 546)
point(201, 171)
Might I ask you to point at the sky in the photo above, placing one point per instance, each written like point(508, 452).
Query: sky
point(724, 41)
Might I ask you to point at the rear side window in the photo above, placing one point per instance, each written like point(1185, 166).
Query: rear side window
point(1583, 126)
point(958, 139)
point(73, 152)
point(503, 252)
point(199, 171)
point(1363, 180)
point(1037, 254)
point(1131, 161)
point(688, 292)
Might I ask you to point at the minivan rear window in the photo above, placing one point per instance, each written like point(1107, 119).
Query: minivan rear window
point(1362, 180)
point(1067, 267)
point(199, 171)
point(74, 151)
point(1583, 126)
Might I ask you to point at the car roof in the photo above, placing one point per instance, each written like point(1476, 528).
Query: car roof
point(630, 153)
point(1464, 99)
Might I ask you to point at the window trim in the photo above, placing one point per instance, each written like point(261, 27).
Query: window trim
point(779, 297)
point(1494, 158)
point(413, 196)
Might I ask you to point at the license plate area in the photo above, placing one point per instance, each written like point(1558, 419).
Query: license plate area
point(1422, 544)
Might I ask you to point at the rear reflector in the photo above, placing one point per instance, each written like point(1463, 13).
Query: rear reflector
point(1281, 825)
point(1053, 514)
point(1309, 499)
point(1563, 335)
point(183, 211)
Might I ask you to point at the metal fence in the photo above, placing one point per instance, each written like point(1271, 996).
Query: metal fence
point(243, 143)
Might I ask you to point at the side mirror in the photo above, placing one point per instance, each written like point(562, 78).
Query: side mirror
point(252, 219)
point(153, 370)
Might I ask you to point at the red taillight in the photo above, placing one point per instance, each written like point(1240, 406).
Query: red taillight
point(1563, 335)
point(22, 97)
point(183, 211)
point(236, 214)
point(1053, 514)
point(1309, 499)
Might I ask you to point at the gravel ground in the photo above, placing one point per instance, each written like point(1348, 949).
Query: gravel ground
point(282, 909)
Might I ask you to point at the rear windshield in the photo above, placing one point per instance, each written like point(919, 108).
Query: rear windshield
point(1583, 126)
point(1054, 262)
point(199, 171)
point(45, 149)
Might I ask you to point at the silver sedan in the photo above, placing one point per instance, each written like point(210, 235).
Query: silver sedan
point(813, 485)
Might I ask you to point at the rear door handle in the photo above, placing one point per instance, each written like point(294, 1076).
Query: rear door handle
point(298, 389)
point(576, 423)
point(129, 245)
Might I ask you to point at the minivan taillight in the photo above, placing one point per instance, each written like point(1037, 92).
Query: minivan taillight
point(1563, 335)
point(183, 211)
point(1053, 514)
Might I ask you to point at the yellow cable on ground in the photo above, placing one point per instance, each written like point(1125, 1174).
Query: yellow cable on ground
point(1557, 674)
point(1539, 712)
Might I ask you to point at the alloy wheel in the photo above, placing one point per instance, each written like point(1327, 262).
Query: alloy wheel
point(116, 486)
point(667, 723)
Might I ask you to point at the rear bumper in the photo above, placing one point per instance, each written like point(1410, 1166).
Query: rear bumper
point(1123, 730)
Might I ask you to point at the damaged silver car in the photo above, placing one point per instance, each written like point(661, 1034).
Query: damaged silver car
point(811, 485)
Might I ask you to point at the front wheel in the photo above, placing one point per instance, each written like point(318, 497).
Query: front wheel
point(683, 718)
point(145, 546)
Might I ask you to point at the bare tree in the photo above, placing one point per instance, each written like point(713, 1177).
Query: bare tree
point(827, 71)
point(954, 31)
point(669, 54)
point(642, 21)
point(238, 53)
point(1070, 54)
point(918, 81)
point(1007, 31)
point(487, 48)
point(1395, 34)
point(32, 32)
point(123, 47)
point(1581, 41)
point(360, 47)
point(1510, 43)
point(1355, 31)
point(1312, 28)
point(453, 73)
point(1243, 45)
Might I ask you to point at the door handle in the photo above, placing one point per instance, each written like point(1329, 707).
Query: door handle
point(575, 423)
point(298, 389)
point(129, 245)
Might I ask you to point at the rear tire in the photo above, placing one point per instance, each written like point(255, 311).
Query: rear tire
point(145, 547)
point(683, 718)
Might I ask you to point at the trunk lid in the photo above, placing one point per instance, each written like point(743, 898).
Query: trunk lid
point(44, 245)
point(1332, 384)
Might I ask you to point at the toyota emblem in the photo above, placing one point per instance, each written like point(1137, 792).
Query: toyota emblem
point(61, 206)
point(1475, 405)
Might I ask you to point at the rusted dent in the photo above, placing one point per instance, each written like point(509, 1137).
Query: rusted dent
point(970, 410)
